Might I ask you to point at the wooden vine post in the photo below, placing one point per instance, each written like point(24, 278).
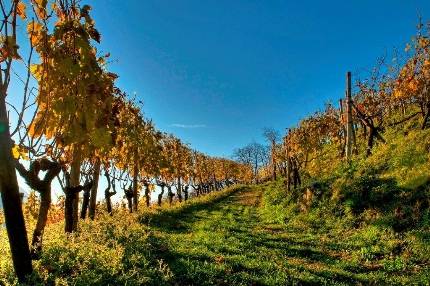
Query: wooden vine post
point(349, 124)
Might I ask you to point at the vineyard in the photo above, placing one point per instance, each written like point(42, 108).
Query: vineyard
point(341, 198)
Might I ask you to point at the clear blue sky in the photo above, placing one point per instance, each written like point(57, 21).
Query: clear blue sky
point(216, 72)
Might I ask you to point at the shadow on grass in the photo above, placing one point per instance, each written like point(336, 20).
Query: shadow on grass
point(178, 219)
point(234, 253)
point(403, 208)
point(308, 253)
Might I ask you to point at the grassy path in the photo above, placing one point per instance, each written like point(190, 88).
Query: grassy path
point(224, 239)
point(227, 243)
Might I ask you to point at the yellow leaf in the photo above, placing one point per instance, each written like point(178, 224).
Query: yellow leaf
point(15, 152)
point(34, 27)
point(34, 30)
point(19, 152)
point(37, 71)
point(34, 130)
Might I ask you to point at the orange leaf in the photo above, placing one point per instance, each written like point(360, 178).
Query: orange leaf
point(20, 10)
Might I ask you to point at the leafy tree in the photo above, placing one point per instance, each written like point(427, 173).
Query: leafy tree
point(253, 155)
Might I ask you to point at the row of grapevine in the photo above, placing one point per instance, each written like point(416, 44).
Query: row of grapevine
point(77, 126)
point(396, 95)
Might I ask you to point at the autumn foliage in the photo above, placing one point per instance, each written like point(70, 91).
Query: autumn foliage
point(79, 127)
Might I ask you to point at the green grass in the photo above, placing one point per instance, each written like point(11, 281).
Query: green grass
point(230, 243)
point(230, 238)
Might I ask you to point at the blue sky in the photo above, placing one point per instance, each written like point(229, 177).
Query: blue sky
point(215, 73)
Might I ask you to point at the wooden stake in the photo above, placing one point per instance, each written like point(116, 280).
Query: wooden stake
point(349, 125)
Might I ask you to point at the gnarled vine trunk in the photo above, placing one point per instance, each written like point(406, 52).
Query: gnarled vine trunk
point(93, 193)
point(147, 195)
point(86, 201)
point(160, 195)
point(108, 193)
point(75, 172)
point(170, 194)
point(43, 187)
point(186, 193)
point(135, 196)
point(179, 190)
point(42, 218)
point(129, 194)
point(69, 205)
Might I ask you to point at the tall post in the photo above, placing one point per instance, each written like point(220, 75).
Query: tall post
point(349, 125)
point(287, 154)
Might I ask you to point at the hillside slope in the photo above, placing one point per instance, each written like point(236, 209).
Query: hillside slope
point(231, 243)
point(230, 239)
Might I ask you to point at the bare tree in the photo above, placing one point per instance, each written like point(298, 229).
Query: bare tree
point(253, 155)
